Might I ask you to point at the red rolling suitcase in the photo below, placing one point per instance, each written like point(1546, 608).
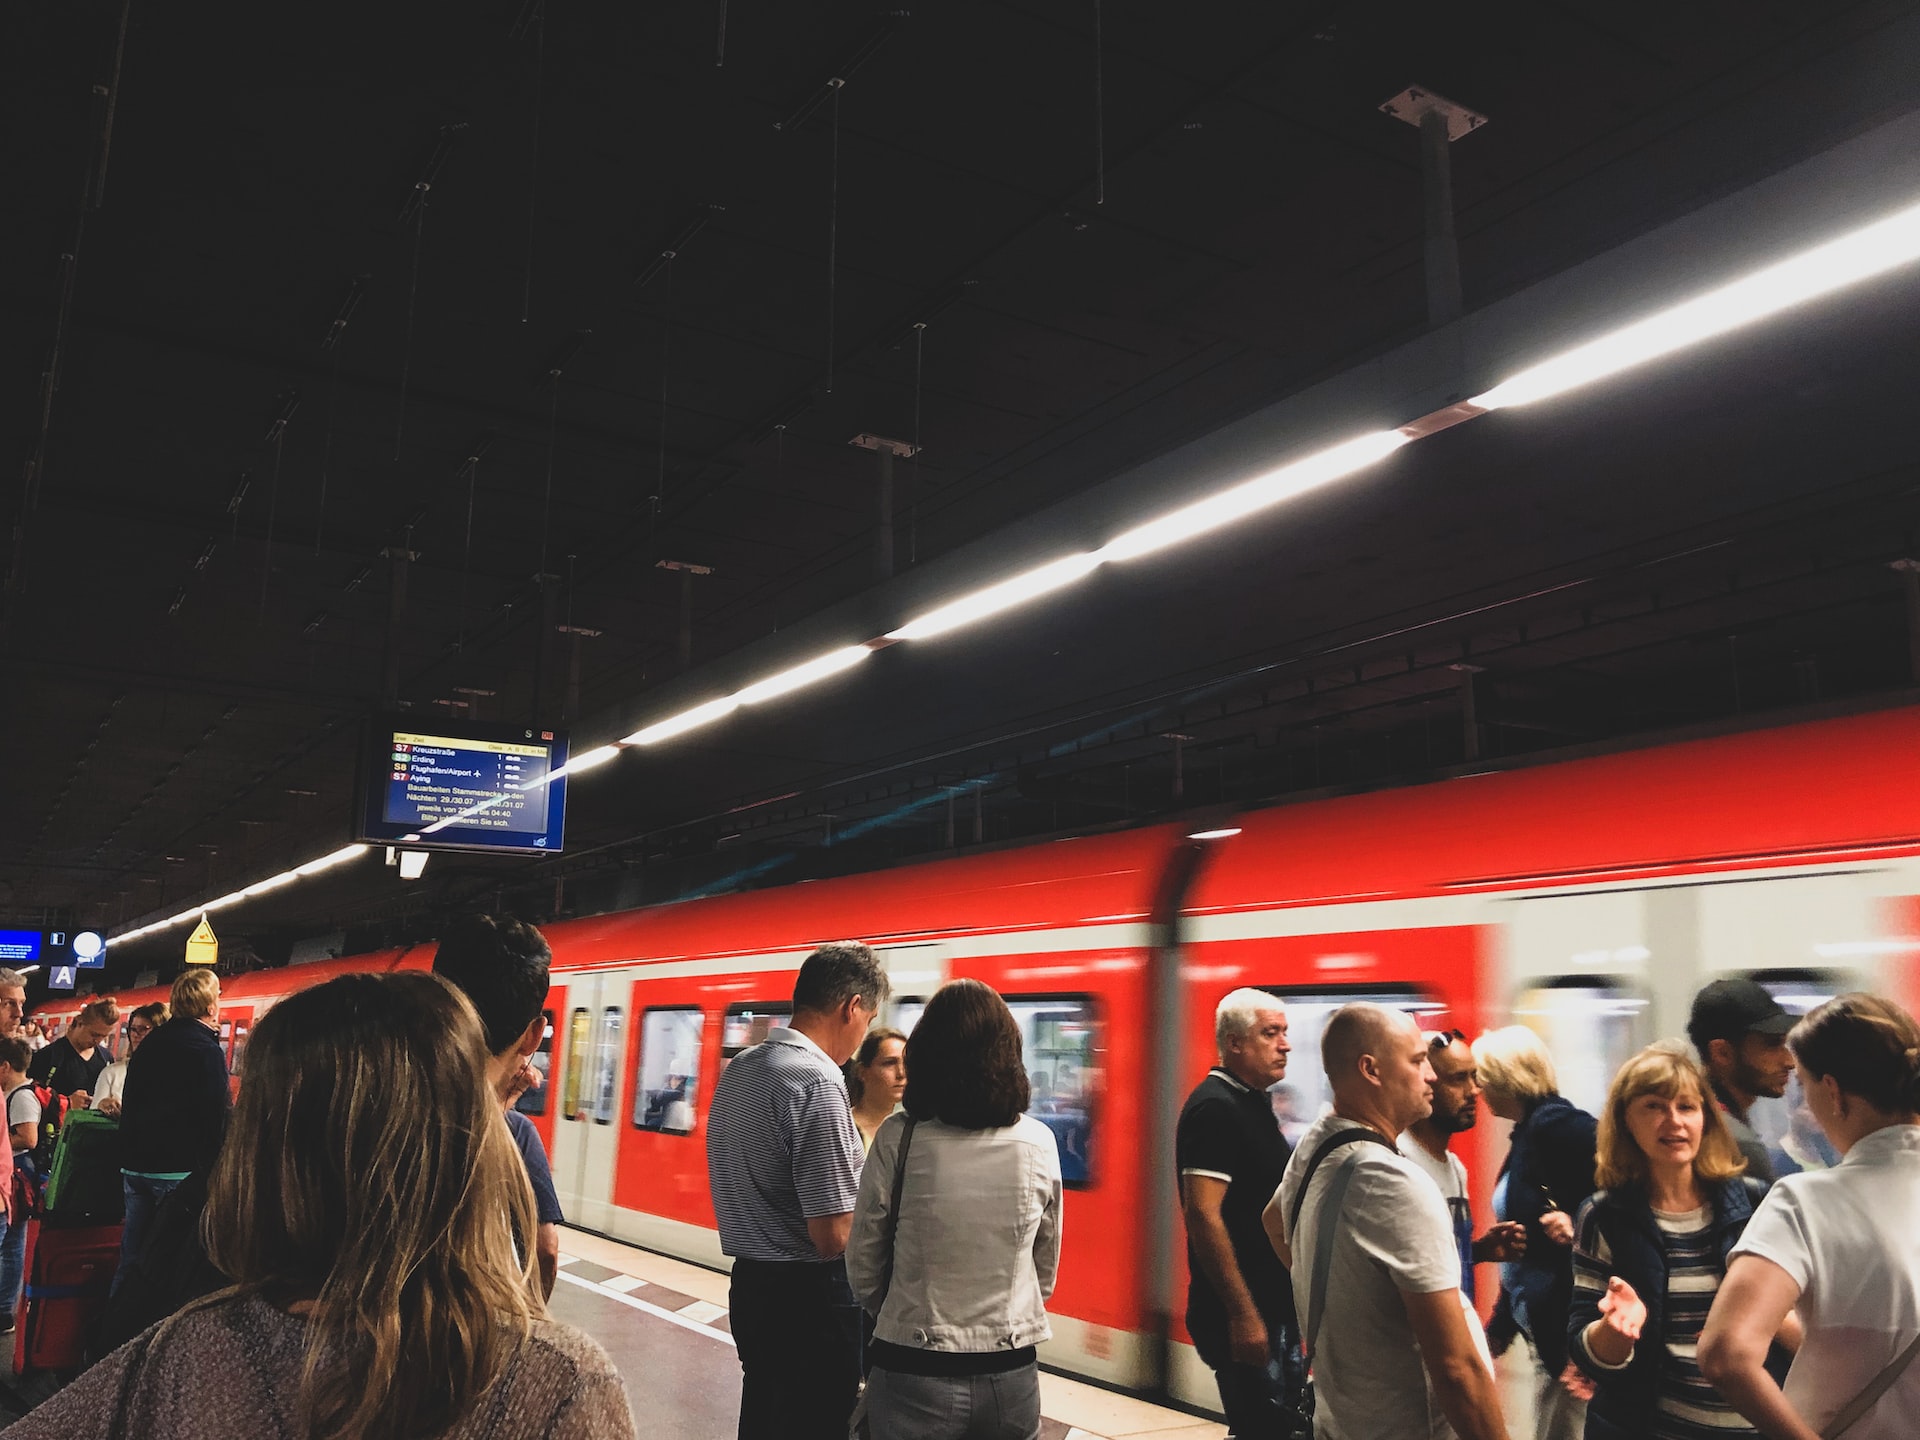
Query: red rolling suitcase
point(69, 1272)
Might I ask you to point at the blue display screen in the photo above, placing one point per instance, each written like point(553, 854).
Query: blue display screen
point(19, 947)
point(462, 785)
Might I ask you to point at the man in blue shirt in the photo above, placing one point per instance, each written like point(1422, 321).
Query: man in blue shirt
point(500, 964)
point(783, 1159)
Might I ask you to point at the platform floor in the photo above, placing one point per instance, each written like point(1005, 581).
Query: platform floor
point(664, 1322)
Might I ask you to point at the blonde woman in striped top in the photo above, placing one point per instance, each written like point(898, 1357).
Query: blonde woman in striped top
point(1650, 1250)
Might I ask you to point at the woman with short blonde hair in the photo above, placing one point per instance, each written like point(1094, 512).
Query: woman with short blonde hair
point(1651, 1249)
point(1547, 1173)
point(195, 994)
point(377, 1221)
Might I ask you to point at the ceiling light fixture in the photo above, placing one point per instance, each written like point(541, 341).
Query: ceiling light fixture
point(683, 722)
point(994, 599)
point(786, 682)
point(1859, 255)
point(1254, 495)
point(258, 887)
point(1226, 832)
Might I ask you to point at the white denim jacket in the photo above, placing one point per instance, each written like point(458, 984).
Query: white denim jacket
point(978, 1243)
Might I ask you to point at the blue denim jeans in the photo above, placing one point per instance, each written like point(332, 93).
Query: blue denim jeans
point(143, 1195)
point(13, 1261)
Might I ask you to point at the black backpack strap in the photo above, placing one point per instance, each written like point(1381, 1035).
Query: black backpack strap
point(1327, 1146)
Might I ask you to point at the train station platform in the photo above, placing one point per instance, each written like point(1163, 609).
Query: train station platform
point(665, 1324)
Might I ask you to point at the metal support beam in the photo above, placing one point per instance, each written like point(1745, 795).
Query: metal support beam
point(397, 562)
point(687, 572)
point(1909, 571)
point(884, 451)
point(1440, 123)
point(571, 712)
point(1470, 733)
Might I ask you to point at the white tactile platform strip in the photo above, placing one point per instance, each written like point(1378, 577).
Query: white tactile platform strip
point(697, 1302)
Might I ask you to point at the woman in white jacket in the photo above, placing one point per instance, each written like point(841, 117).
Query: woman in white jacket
point(958, 1279)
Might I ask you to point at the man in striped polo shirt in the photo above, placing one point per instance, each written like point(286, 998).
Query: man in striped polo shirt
point(783, 1162)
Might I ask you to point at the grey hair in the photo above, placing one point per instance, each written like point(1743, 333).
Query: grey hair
point(1239, 1011)
point(835, 973)
point(9, 978)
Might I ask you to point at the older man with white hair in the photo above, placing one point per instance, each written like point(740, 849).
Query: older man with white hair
point(1231, 1155)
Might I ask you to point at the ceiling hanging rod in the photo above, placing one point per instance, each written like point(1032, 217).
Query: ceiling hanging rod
point(863, 50)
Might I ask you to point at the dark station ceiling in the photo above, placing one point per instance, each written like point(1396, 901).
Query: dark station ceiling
point(568, 289)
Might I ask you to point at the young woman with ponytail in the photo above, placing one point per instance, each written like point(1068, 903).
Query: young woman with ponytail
point(1840, 1246)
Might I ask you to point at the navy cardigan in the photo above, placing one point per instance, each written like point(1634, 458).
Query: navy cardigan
point(1551, 1159)
point(1624, 1400)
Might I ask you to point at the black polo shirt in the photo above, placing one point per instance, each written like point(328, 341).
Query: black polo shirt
point(1228, 1132)
point(58, 1066)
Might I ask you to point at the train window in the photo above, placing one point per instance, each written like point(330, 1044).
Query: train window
point(241, 1030)
point(606, 1066)
point(747, 1025)
point(1298, 1099)
point(579, 1030)
point(534, 1100)
point(1786, 1126)
point(907, 1013)
point(1591, 1026)
point(668, 1084)
point(1058, 1038)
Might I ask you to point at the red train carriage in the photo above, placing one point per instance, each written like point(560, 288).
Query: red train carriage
point(1589, 898)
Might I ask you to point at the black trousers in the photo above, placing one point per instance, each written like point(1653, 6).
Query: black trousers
point(797, 1329)
point(1257, 1399)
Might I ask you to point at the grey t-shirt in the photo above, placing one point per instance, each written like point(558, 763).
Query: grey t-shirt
point(1394, 1236)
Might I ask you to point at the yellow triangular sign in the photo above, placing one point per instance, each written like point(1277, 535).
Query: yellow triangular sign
point(202, 948)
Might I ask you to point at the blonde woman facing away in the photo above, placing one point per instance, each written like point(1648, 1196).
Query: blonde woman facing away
point(375, 1216)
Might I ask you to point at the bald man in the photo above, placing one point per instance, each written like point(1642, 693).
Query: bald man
point(1370, 1246)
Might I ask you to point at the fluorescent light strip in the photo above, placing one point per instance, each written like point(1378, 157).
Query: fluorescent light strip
point(1861, 255)
point(1005, 595)
point(259, 887)
point(1254, 495)
point(787, 681)
point(683, 722)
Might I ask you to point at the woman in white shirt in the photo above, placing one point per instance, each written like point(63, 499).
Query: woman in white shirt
point(112, 1083)
point(958, 1281)
point(1839, 1246)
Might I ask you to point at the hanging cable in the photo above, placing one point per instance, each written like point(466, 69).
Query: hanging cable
point(546, 505)
point(1099, 107)
point(533, 167)
point(720, 46)
point(833, 224)
point(421, 188)
point(277, 434)
point(913, 510)
point(472, 468)
point(666, 343)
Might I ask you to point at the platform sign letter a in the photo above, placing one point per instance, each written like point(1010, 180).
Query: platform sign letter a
point(202, 948)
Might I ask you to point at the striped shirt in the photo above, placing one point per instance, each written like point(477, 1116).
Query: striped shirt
point(781, 1148)
point(1689, 1407)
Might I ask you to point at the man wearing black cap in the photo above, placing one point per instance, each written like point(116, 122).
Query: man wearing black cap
point(1741, 1034)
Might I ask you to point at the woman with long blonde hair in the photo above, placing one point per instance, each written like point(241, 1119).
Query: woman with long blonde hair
point(377, 1222)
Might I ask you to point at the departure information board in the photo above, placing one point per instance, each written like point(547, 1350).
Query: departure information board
point(462, 785)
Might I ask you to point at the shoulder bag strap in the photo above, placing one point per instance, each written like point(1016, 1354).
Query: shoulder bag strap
point(1330, 1207)
point(893, 1214)
point(1867, 1398)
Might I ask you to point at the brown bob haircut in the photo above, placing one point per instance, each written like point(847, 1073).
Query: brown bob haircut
point(964, 1065)
point(1869, 1045)
point(1667, 1069)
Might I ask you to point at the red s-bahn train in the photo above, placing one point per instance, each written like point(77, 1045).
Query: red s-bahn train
point(1589, 898)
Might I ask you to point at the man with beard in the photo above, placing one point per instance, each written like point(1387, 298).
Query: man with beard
point(1456, 1107)
point(1741, 1034)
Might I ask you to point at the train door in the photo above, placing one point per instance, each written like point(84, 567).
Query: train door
point(586, 1129)
point(541, 1102)
point(915, 972)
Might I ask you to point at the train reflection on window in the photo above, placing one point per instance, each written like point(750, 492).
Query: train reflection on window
point(579, 1031)
point(1059, 1038)
point(606, 1066)
point(534, 1100)
point(1299, 1098)
point(668, 1082)
point(1786, 1126)
point(1591, 1027)
point(747, 1025)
